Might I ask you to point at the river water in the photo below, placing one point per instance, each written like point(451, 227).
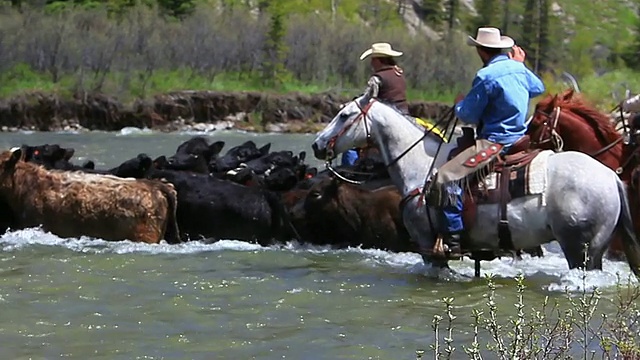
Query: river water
point(90, 299)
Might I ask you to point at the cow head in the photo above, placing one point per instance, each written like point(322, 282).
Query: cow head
point(49, 156)
point(194, 155)
point(272, 161)
point(137, 167)
point(9, 159)
point(238, 155)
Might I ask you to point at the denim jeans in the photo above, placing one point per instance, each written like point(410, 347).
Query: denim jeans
point(349, 157)
point(452, 214)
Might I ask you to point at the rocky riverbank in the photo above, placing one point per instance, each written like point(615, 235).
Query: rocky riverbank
point(184, 110)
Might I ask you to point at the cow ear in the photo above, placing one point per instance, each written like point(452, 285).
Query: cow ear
point(249, 143)
point(58, 154)
point(16, 155)
point(265, 149)
point(216, 148)
point(302, 156)
point(146, 163)
point(89, 164)
point(68, 153)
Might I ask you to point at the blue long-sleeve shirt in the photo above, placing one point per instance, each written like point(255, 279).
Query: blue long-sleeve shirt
point(499, 99)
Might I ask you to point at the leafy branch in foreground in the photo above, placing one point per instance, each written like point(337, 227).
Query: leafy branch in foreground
point(555, 330)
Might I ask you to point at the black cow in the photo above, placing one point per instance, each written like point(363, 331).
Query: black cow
point(213, 208)
point(217, 209)
point(194, 155)
point(237, 155)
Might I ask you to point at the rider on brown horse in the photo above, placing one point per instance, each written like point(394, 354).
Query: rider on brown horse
point(497, 104)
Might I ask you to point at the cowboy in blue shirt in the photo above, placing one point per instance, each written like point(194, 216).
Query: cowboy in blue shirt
point(497, 104)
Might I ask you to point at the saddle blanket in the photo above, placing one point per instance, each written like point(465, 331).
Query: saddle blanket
point(533, 182)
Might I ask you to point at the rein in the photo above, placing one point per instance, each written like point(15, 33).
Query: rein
point(363, 114)
point(556, 139)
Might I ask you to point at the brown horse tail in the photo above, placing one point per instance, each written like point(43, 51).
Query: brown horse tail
point(630, 242)
point(172, 232)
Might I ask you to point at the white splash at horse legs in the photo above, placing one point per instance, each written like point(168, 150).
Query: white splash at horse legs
point(586, 201)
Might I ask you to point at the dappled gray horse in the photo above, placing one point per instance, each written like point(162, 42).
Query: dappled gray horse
point(570, 197)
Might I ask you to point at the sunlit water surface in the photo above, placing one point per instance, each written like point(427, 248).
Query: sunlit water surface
point(89, 299)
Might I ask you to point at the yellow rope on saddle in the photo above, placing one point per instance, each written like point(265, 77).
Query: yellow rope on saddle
point(430, 126)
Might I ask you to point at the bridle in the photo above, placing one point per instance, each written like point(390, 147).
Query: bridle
point(362, 116)
point(548, 132)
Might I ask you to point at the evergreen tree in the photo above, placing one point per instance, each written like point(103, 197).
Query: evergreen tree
point(275, 48)
point(632, 57)
point(505, 16)
point(544, 41)
point(486, 14)
point(452, 12)
point(177, 8)
point(431, 11)
point(529, 39)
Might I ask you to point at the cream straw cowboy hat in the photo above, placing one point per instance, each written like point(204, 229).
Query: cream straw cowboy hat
point(380, 49)
point(490, 37)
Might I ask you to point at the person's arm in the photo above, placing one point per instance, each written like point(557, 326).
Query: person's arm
point(472, 106)
point(373, 86)
point(536, 86)
point(632, 104)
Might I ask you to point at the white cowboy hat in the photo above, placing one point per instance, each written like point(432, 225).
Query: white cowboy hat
point(380, 49)
point(490, 37)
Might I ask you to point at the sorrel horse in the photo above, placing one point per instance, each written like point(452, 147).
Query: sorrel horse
point(567, 122)
point(582, 202)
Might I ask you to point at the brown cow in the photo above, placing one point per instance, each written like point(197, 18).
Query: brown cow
point(72, 204)
point(341, 214)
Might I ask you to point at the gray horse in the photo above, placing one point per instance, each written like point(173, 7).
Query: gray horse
point(581, 203)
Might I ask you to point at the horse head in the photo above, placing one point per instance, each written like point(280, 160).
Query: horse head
point(348, 129)
point(541, 126)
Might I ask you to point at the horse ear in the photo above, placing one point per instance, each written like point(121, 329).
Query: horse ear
point(568, 94)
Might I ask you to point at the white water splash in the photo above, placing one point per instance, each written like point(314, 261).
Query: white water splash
point(127, 131)
point(552, 264)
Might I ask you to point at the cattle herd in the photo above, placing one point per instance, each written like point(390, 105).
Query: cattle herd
point(201, 192)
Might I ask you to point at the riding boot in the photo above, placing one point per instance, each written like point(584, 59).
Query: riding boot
point(452, 241)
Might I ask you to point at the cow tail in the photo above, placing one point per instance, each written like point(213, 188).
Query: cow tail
point(172, 232)
point(281, 221)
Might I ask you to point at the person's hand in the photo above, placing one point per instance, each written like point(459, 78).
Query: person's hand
point(459, 98)
point(517, 53)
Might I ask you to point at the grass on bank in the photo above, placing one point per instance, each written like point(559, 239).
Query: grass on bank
point(21, 79)
point(601, 90)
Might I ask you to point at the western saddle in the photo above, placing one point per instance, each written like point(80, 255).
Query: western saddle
point(511, 174)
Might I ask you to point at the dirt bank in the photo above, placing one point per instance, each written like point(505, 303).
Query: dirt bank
point(198, 110)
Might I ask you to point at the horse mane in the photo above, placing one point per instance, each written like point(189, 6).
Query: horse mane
point(406, 117)
point(600, 122)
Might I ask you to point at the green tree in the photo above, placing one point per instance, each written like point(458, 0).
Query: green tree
point(177, 8)
point(452, 12)
point(529, 39)
point(632, 56)
point(275, 50)
point(506, 15)
point(486, 14)
point(544, 41)
point(431, 11)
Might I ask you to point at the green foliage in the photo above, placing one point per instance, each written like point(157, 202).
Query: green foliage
point(554, 329)
point(488, 11)
point(275, 49)
point(177, 8)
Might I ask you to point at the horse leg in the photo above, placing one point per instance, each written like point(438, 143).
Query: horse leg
point(573, 238)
